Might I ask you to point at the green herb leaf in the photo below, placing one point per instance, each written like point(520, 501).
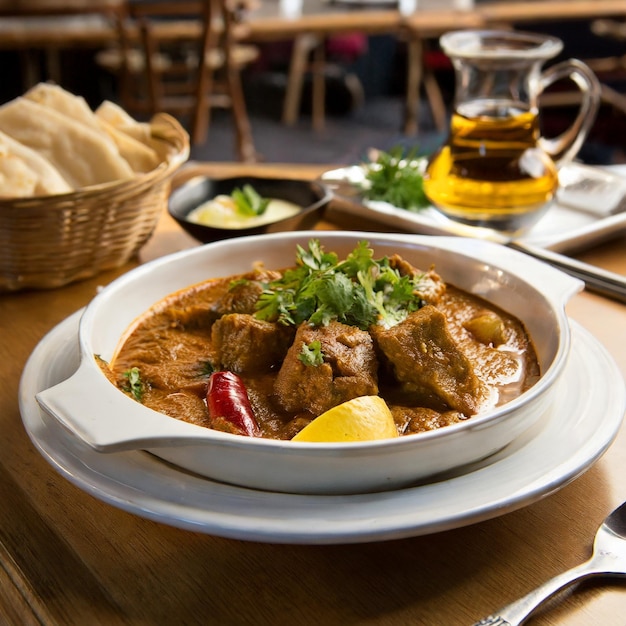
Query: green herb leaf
point(239, 282)
point(312, 354)
point(398, 179)
point(205, 368)
point(135, 385)
point(359, 291)
point(248, 201)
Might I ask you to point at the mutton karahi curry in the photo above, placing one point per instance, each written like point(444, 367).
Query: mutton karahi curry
point(266, 352)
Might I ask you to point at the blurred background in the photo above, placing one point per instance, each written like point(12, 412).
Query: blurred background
point(365, 80)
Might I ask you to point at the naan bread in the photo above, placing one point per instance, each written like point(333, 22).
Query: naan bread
point(140, 157)
point(64, 102)
point(117, 117)
point(51, 142)
point(83, 156)
point(17, 180)
point(47, 179)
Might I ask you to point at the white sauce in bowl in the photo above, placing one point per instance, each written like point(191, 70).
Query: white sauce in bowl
point(221, 212)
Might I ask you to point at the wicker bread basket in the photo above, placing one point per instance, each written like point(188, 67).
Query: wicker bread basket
point(51, 241)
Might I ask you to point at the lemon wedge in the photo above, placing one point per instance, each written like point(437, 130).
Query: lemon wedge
point(366, 418)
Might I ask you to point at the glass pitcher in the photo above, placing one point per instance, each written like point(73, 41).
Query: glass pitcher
point(495, 169)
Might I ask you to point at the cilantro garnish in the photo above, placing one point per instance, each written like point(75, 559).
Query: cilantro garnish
point(205, 368)
point(135, 385)
point(248, 201)
point(358, 291)
point(237, 283)
point(312, 354)
point(397, 179)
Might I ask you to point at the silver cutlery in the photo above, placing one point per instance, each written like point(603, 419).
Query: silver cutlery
point(600, 281)
point(608, 559)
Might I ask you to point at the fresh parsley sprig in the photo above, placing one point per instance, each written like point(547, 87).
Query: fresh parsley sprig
point(396, 178)
point(358, 291)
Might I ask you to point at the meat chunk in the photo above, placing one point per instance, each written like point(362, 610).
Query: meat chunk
point(242, 296)
point(431, 286)
point(245, 344)
point(417, 419)
point(423, 354)
point(191, 317)
point(349, 369)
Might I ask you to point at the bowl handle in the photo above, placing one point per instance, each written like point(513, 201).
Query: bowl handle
point(107, 420)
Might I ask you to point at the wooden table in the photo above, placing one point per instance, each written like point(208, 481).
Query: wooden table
point(67, 558)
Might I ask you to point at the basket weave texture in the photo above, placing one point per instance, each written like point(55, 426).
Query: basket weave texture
point(52, 241)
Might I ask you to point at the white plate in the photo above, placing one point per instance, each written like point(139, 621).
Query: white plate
point(562, 228)
point(558, 450)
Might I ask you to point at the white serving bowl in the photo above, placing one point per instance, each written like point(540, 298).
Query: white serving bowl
point(108, 420)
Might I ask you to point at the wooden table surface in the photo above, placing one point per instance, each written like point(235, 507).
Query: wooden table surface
point(67, 558)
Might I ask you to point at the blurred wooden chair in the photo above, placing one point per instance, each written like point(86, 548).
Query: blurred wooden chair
point(184, 58)
point(613, 68)
point(313, 53)
point(421, 30)
point(608, 70)
point(306, 46)
point(422, 62)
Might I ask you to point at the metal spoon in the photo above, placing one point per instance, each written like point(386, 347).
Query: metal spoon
point(608, 559)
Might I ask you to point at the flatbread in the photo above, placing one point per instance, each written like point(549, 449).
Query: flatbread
point(129, 137)
point(82, 156)
point(48, 180)
point(17, 180)
point(140, 157)
point(64, 102)
point(117, 117)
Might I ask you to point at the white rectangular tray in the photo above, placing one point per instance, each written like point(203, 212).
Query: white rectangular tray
point(595, 210)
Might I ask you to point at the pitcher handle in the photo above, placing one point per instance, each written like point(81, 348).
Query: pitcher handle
point(565, 146)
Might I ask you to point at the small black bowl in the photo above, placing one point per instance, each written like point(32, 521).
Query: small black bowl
point(312, 196)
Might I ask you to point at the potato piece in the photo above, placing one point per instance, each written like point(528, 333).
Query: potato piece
point(487, 328)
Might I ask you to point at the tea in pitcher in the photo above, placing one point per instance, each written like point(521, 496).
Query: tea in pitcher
point(490, 172)
point(495, 169)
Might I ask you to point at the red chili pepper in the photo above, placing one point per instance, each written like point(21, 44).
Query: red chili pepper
point(227, 401)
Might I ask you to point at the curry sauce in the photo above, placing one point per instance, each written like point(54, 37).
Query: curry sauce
point(452, 357)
